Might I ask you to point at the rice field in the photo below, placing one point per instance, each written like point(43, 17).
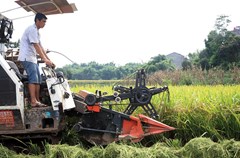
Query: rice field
point(206, 118)
point(211, 111)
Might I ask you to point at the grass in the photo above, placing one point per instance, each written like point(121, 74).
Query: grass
point(200, 147)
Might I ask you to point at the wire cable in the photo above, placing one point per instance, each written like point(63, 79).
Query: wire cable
point(48, 51)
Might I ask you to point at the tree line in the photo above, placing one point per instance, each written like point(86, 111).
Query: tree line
point(222, 50)
point(109, 71)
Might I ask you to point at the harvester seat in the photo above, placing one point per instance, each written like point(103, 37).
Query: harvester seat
point(13, 66)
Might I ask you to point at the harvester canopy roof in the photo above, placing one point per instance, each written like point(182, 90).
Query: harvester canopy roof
point(47, 7)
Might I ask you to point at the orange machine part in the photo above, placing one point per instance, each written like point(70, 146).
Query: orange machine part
point(153, 126)
point(133, 129)
point(94, 108)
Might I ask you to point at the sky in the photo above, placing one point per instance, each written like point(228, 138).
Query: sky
point(123, 31)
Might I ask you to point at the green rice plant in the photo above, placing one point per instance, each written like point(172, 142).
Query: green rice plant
point(66, 151)
point(97, 151)
point(228, 123)
point(173, 143)
point(71, 137)
point(197, 147)
point(27, 147)
point(209, 110)
point(162, 150)
point(33, 148)
point(203, 147)
point(114, 150)
point(200, 147)
point(5, 152)
point(231, 147)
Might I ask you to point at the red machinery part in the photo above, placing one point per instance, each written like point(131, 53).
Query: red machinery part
point(94, 108)
point(137, 128)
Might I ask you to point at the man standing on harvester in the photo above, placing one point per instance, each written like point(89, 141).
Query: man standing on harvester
point(30, 47)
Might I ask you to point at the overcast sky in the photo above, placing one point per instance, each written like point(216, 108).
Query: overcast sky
point(123, 31)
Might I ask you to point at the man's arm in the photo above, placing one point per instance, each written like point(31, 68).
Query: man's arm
point(52, 65)
point(43, 54)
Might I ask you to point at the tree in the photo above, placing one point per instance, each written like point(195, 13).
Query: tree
point(157, 59)
point(193, 58)
point(186, 65)
point(221, 24)
point(151, 68)
point(204, 63)
point(229, 53)
point(222, 46)
point(159, 62)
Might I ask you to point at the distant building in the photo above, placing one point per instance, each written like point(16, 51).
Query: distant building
point(236, 30)
point(176, 59)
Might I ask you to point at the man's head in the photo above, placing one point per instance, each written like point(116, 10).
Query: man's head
point(40, 20)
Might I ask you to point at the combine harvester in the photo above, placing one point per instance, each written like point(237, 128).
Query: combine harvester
point(96, 122)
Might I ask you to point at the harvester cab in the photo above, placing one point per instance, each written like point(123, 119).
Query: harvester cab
point(96, 122)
